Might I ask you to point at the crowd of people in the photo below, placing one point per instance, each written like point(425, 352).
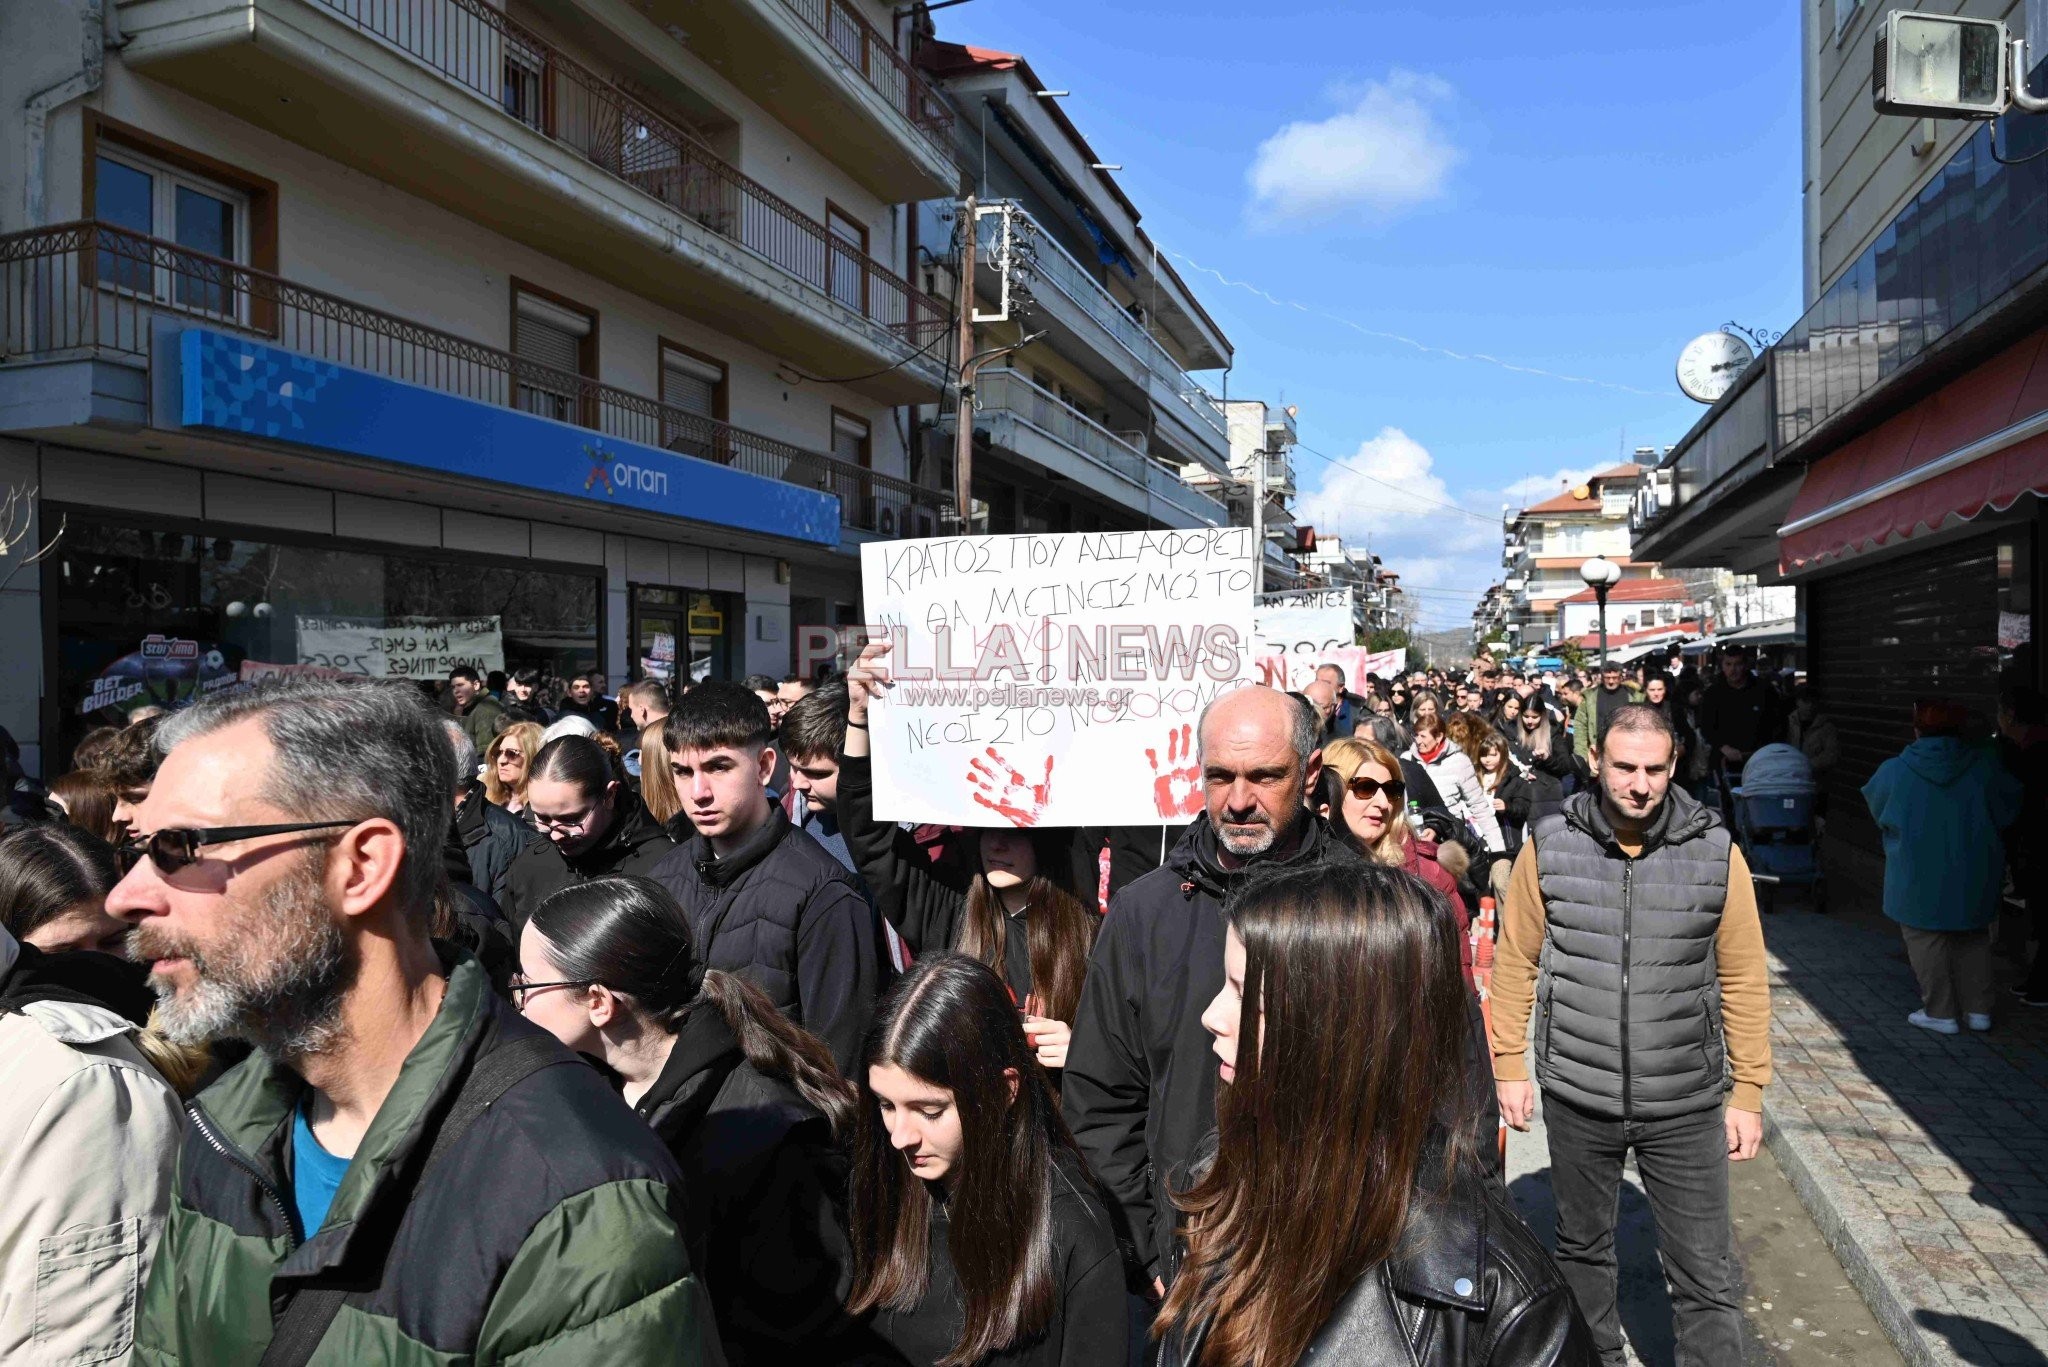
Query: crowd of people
point(524, 1022)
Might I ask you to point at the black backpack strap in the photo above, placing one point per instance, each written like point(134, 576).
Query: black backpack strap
point(311, 1311)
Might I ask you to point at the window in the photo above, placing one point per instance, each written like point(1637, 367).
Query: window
point(208, 220)
point(846, 259)
point(1845, 15)
point(693, 401)
point(558, 340)
point(851, 439)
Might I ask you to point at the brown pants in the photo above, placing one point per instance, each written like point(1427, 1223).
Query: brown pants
point(1954, 969)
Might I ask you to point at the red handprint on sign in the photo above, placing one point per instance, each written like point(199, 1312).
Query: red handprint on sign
point(1007, 793)
point(1177, 789)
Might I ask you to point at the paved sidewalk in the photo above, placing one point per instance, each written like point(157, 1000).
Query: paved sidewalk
point(1923, 1158)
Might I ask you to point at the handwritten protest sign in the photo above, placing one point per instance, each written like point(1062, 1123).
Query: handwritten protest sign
point(401, 647)
point(1053, 680)
point(1306, 621)
point(1281, 670)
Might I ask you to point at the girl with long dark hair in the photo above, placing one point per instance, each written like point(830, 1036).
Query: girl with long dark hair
point(592, 822)
point(1008, 903)
point(978, 1235)
point(749, 1103)
point(1342, 1176)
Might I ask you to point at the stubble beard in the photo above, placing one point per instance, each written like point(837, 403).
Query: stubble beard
point(277, 977)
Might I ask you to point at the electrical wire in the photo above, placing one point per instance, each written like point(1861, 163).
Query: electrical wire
point(803, 376)
point(1405, 493)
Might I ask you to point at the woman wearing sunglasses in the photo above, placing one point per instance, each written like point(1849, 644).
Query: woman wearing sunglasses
point(1369, 811)
point(507, 767)
point(1345, 1217)
point(750, 1105)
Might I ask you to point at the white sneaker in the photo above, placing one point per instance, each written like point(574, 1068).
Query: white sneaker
point(1977, 1022)
point(1937, 1024)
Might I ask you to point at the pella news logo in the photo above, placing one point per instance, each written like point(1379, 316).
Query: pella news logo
point(615, 474)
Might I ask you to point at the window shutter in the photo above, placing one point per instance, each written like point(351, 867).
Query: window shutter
point(690, 384)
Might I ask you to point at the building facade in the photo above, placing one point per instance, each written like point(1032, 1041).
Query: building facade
point(1544, 544)
point(1886, 457)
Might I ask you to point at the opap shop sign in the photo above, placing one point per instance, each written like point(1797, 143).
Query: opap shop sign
point(401, 647)
point(1053, 680)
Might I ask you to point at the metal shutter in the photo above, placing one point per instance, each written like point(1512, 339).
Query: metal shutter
point(1881, 636)
point(548, 335)
point(689, 384)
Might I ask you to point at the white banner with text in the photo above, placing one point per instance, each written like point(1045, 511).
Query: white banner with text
point(1053, 680)
point(401, 647)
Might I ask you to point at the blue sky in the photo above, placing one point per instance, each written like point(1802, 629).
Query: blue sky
point(1573, 189)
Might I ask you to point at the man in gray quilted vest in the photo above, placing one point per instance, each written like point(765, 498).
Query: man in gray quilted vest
point(1631, 931)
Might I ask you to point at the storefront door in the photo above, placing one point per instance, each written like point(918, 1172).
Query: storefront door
point(683, 633)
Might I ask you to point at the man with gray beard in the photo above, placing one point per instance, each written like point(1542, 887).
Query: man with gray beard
point(404, 1171)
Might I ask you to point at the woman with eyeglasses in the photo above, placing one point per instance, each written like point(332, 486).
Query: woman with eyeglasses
point(749, 1104)
point(1343, 1216)
point(506, 767)
point(593, 823)
point(979, 1237)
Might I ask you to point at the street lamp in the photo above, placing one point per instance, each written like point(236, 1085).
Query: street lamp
point(1601, 574)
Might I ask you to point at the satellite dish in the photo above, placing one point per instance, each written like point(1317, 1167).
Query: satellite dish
point(1582, 492)
point(1711, 364)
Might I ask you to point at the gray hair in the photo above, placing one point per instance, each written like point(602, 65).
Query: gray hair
point(1305, 734)
point(466, 760)
point(1385, 731)
point(347, 749)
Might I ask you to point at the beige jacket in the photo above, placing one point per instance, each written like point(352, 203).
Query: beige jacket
point(89, 1136)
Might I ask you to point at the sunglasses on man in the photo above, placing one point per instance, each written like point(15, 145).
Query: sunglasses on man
point(177, 847)
point(1366, 789)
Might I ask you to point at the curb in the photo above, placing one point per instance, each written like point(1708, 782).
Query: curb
point(1856, 1230)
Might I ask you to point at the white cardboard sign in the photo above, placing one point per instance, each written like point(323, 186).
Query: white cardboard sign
point(1053, 680)
point(401, 647)
point(1306, 621)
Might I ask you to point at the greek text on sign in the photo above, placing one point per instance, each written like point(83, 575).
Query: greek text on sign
point(1053, 680)
point(401, 647)
point(1306, 621)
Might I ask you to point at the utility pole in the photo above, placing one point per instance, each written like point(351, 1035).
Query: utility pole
point(963, 422)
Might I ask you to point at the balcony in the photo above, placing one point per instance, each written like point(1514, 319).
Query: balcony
point(89, 291)
point(821, 68)
point(1082, 313)
point(1040, 429)
point(456, 102)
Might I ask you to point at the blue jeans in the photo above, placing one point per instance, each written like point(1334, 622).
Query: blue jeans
point(1683, 1162)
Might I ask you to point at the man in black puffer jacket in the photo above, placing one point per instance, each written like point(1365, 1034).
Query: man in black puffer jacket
point(763, 898)
point(1140, 1084)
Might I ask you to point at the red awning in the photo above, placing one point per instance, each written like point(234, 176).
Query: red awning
point(1979, 442)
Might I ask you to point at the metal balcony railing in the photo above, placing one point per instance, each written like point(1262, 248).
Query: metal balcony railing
point(536, 83)
point(1009, 392)
point(868, 50)
point(1048, 261)
point(85, 289)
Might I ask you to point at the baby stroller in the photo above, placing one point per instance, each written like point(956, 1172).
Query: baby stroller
point(1773, 810)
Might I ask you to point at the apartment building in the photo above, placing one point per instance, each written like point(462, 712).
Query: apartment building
point(1886, 457)
point(1088, 411)
point(374, 335)
point(1544, 544)
point(1262, 439)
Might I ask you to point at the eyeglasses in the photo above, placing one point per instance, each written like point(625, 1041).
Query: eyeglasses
point(509, 753)
point(1366, 789)
point(564, 823)
point(521, 990)
point(177, 847)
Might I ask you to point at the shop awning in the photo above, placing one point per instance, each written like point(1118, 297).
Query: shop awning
point(1980, 442)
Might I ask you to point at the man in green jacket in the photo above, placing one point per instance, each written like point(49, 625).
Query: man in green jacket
point(1609, 697)
point(475, 708)
point(341, 1187)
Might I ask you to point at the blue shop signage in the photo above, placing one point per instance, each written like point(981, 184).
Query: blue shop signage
point(233, 384)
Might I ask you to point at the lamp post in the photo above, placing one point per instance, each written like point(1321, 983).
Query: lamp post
point(1601, 575)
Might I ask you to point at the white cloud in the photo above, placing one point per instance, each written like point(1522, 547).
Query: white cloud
point(1389, 488)
point(1536, 488)
point(1385, 153)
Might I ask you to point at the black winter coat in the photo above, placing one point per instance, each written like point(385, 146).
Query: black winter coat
point(783, 911)
point(1468, 1286)
point(1090, 1324)
point(1140, 1083)
point(633, 845)
point(491, 839)
point(1545, 777)
point(764, 1188)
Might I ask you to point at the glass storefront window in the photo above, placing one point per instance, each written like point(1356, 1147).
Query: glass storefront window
point(681, 633)
point(148, 617)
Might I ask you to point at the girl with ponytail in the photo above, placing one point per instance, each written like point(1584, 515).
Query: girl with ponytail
point(749, 1104)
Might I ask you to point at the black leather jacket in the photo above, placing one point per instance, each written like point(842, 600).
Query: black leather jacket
point(1468, 1285)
